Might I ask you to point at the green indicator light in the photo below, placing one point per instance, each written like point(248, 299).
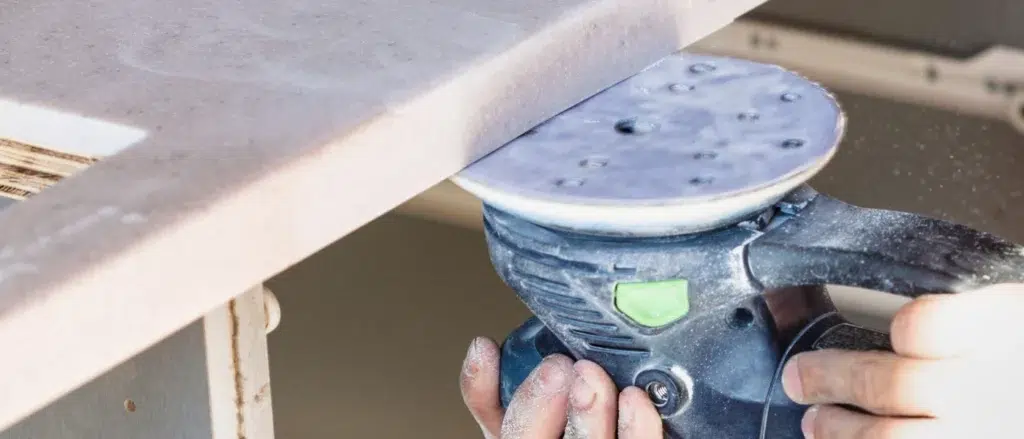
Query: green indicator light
point(653, 304)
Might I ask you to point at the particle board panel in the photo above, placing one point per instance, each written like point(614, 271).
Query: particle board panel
point(240, 136)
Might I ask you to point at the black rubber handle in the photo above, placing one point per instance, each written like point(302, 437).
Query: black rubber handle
point(827, 241)
point(819, 240)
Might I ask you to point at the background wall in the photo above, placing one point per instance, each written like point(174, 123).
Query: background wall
point(951, 27)
point(420, 291)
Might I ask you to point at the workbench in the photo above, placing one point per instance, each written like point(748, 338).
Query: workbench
point(194, 149)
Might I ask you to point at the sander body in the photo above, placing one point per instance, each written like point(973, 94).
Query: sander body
point(664, 229)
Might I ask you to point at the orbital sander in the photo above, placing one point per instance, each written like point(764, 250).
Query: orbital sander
point(664, 229)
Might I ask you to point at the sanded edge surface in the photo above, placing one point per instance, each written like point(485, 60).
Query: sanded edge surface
point(110, 261)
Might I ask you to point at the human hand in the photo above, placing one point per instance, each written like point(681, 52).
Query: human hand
point(955, 373)
point(559, 396)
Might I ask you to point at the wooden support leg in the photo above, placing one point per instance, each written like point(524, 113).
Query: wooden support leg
point(211, 380)
point(238, 368)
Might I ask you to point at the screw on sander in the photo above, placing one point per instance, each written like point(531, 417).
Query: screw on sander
point(644, 225)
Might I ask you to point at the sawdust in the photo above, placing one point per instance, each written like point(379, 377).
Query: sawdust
point(576, 428)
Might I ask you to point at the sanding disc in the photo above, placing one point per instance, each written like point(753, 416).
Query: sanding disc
point(691, 143)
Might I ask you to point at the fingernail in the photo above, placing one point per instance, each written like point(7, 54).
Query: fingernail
point(475, 347)
point(552, 377)
point(471, 365)
point(791, 380)
point(582, 395)
point(807, 424)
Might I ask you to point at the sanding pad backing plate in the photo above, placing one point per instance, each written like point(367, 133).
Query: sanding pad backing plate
point(691, 142)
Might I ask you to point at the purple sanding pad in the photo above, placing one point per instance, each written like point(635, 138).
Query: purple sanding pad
point(691, 143)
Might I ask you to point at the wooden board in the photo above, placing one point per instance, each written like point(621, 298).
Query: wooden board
point(241, 136)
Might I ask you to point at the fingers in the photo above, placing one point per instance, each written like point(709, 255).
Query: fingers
point(538, 409)
point(638, 419)
point(831, 422)
point(479, 385)
point(593, 402)
point(879, 382)
point(958, 325)
point(578, 400)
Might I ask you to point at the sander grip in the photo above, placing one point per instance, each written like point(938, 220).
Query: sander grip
point(831, 242)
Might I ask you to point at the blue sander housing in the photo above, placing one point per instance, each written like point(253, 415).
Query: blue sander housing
point(664, 229)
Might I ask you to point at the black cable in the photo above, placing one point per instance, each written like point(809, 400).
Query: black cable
point(782, 365)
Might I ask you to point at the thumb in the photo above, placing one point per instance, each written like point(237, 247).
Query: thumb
point(983, 322)
point(479, 385)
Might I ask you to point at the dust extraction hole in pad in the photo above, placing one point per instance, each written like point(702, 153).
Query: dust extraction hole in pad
point(690, 144)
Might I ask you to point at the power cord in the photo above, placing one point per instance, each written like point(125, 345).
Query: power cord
point(782, 364)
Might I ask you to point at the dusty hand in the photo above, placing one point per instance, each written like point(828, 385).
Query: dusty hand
point(559, 396)
point(955, 373)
